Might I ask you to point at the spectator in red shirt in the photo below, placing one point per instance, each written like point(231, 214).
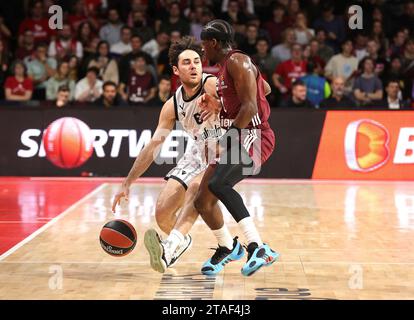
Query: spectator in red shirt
point(18, 87)
point(65, 45)
point(140, 87)
point(289, 71)
point(93, 5)
point(82, 13)
point(78, 15)
point(37, 23)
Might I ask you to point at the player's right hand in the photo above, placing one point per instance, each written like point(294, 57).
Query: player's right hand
point(122, 193)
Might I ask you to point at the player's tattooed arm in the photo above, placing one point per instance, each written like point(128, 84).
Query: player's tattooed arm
point(147, 155)
point(243, 73)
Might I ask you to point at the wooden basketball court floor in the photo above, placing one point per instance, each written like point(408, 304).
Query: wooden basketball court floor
point(337, 239)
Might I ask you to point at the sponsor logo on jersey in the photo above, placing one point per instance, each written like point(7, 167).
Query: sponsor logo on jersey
point(211, 132)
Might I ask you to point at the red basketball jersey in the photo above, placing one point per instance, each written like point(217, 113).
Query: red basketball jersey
point(231, 103)
point(139, 86)
point(260, 140)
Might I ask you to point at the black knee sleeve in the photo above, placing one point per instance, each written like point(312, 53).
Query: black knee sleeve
point(221, 185)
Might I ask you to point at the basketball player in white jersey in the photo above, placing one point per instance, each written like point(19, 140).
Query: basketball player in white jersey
point(182, 181)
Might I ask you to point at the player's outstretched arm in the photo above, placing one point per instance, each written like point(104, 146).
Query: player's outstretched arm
point(149, 152)
point(243, 73)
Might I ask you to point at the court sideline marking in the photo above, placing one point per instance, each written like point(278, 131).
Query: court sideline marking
point(272, 181)
point(51, 222)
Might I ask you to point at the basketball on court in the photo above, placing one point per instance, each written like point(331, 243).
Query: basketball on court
point(67, 142)
point(118, 238)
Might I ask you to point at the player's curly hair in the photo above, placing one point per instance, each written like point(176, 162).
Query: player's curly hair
point(185, 43)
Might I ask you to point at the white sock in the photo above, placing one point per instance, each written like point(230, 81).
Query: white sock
point(249, 230)
point(223, 237)
point(174, 239)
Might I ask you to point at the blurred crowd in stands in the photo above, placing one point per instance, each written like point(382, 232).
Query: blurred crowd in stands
point(115, 53)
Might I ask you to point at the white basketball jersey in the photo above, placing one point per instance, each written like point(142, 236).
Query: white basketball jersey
point(188, 114)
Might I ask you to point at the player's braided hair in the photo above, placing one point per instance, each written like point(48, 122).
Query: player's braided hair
point(220, 30)
point(185, 43)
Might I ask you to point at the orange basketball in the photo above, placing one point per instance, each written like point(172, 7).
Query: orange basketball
point(118, 238)
point(68, 142)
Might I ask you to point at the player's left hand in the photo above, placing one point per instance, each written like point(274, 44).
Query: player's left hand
point(209, 106)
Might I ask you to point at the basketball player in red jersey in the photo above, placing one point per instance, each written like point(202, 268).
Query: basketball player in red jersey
point(244, 112)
